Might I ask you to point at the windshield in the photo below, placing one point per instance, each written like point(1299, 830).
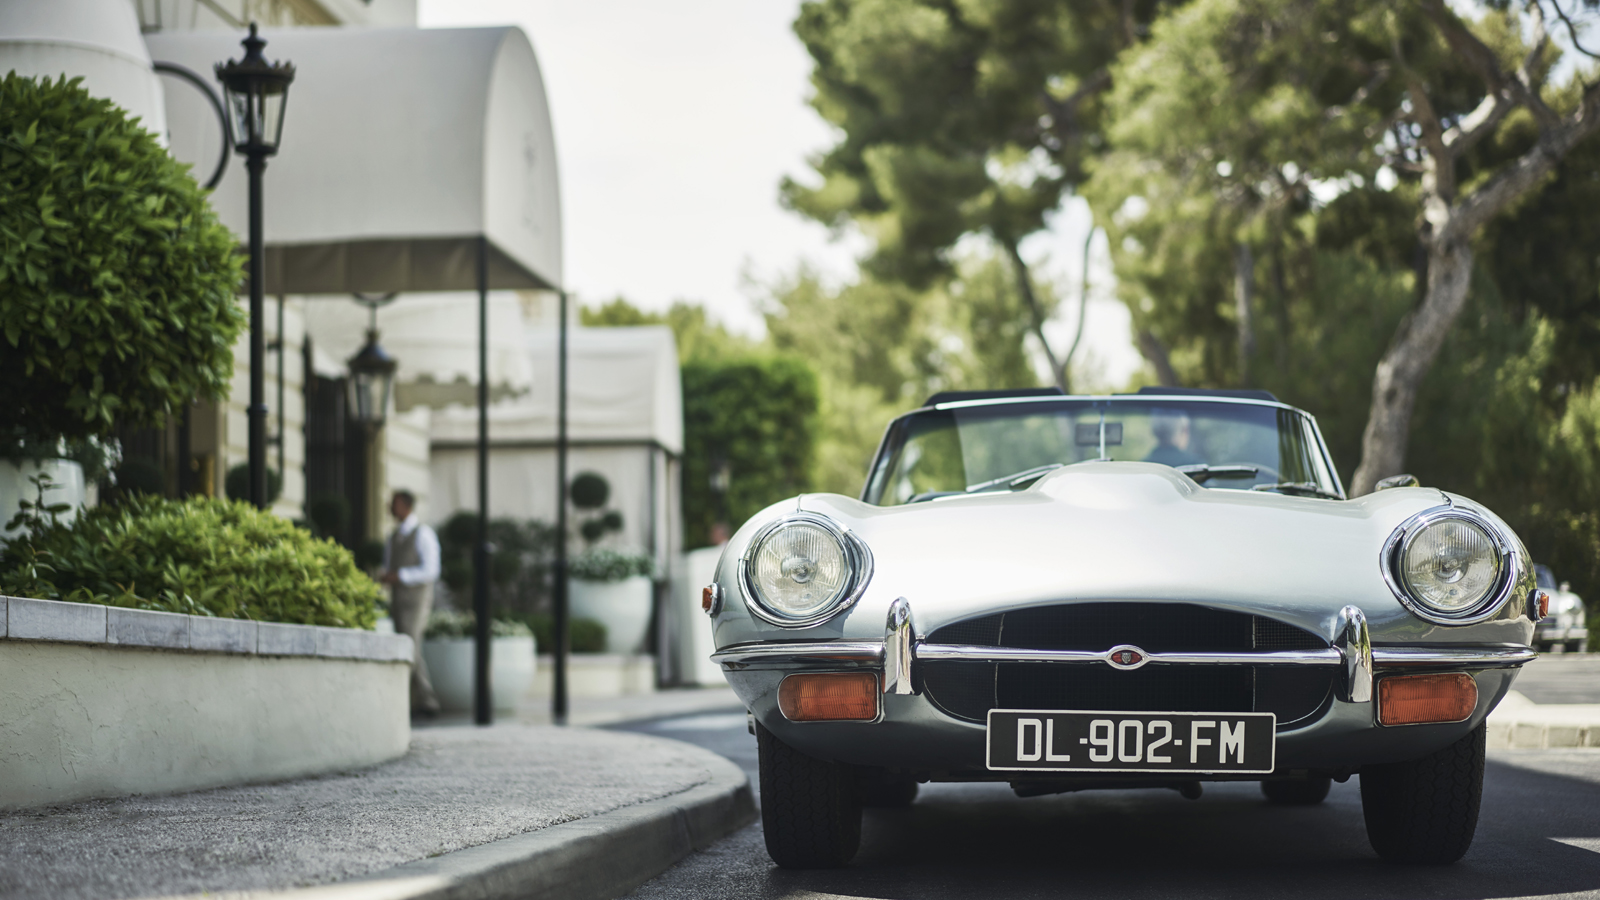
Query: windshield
point(1230, 445)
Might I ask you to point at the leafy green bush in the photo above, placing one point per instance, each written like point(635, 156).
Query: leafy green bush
point(447, 624)
point(609, 565)
point(199, 556)
point(117, 281)
point(586, 635)
point(759, 414)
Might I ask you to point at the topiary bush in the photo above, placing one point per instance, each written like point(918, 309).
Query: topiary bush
point(199, 556)
point(117, 281)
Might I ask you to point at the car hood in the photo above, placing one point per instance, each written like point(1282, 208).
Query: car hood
point(1122, 531)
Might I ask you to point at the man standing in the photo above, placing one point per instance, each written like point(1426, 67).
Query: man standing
point(410, 567)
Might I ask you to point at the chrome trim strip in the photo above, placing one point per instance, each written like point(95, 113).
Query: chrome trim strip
point(1354, 642)
point(765, 655)
point(971, 653)
point(1466, 657)
point(855, 654)
point(898, 640)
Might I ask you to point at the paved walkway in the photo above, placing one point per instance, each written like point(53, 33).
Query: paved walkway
point(456, 788)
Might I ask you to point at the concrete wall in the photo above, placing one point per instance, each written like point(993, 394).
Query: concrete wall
point(98, 702)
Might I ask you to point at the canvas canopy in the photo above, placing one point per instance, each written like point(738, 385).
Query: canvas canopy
point(401, 148)
point(623, 387)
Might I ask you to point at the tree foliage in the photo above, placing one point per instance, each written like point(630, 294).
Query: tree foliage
point(757, 414)
point(956, 119)
point(117, 282)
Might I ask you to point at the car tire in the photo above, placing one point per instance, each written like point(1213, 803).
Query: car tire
point(880, 790)
point(1297, 791)
point(1426, 810)
point(810, 808)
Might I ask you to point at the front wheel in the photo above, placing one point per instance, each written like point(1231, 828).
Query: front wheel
point(1426, 810)
point(810, 808)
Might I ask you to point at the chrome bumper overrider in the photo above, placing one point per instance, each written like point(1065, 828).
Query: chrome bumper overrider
point(1352, 650)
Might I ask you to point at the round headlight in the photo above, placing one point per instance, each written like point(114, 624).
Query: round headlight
point(802, 569)
point(1449, 566)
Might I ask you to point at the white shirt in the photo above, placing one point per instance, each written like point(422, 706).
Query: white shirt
point(425, 571)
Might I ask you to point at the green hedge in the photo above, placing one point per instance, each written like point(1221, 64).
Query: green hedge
point(759, 413)
point(117, 281)
point(201, 556)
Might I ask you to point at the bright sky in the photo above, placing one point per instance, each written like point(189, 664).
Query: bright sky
point(674, 123)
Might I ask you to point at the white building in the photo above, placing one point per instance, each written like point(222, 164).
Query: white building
point(406, 152)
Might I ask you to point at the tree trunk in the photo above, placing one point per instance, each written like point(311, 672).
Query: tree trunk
point(1083, 315)
point(1244, 288)
point(1406, 363)
point(1025, 288)
point(1156, 352)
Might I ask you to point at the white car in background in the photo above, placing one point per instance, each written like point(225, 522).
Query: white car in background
point(1566, 628)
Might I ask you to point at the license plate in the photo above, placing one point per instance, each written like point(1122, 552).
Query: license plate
point(1042, 740)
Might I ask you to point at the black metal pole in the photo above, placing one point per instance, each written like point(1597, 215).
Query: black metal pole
point(483, 708)
point(256, 163)
point(279, 439)
point(558, 699)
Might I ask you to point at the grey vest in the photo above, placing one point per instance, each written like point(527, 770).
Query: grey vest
point(402, 554)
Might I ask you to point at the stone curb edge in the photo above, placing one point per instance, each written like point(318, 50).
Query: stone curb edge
point(596, 858)
point(26, 619)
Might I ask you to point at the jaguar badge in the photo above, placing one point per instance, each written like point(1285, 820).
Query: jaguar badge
point(1126, 657)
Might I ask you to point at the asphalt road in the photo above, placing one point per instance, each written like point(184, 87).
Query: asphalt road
point(1539, 835)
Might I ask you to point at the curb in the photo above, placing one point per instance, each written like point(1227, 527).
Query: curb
point(1520, 724)
point(596, 858)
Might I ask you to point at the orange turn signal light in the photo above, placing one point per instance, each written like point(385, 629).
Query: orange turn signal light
point(1419, 699)
point(1544, 604)
point(831, 697)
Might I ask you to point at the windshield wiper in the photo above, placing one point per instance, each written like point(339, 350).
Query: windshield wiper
point(1200, 471)
point(1016, 480)
point(1298, 488)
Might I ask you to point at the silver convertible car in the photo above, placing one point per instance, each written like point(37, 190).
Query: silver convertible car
point(1152, 590)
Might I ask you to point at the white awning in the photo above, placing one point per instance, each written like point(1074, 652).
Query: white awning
point(622, 386)
point(97, 40)
point(401, 148)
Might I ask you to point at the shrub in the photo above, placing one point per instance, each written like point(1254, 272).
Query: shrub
point(199, 556)
point(117, 281)
point(236, 484)
point(760, 415)
point(586, 635)
point(445, 624)
point(609, 565)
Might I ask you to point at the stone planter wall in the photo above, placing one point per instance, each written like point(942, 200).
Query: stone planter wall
point(97, 701)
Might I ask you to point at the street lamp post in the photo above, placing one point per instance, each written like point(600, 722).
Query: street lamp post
point(256, 93)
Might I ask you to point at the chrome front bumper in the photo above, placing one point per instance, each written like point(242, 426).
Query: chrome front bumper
point(1352, 650)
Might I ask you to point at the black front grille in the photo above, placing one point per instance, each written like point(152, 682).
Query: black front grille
point(1156, 627)
point(968, 690)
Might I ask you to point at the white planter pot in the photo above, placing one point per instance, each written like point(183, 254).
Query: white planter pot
point(450, 665)
point(623, 607)
point(15, 487)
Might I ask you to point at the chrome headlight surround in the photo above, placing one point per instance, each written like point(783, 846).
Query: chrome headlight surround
point(1392, 565)
point(857, 560)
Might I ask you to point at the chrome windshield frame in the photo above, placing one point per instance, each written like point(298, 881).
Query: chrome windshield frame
point(1314, 431)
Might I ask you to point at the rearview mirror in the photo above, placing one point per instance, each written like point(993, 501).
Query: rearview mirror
point(1397, 481)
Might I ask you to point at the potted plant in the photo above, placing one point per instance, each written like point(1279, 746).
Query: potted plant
point(448, 651)
point(613, 589)
point(607, 585)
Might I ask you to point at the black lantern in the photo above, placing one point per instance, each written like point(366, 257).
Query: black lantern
point(257, 91)
point(371, 380)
